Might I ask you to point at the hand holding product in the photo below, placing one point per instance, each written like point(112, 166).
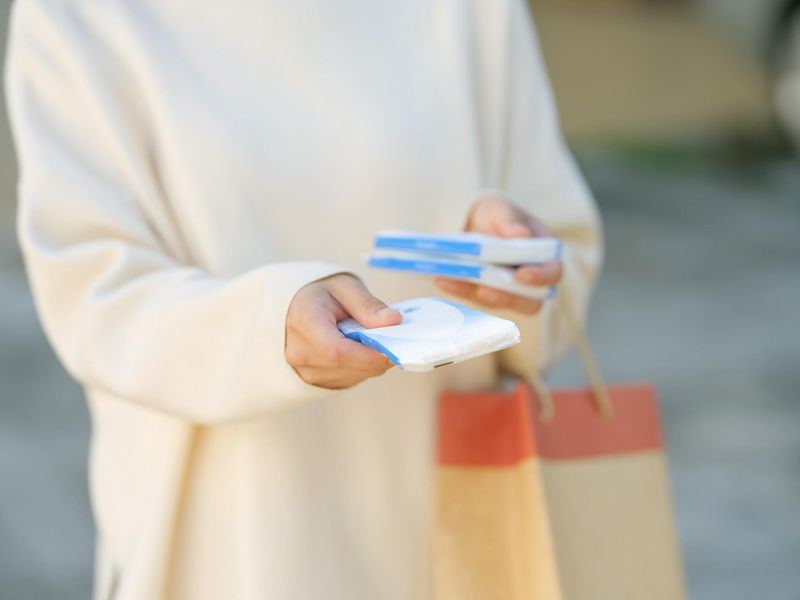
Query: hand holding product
point(495, 215)
point(317, 350)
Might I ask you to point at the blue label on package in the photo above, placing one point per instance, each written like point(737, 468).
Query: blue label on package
point(428, 244)
point(429, 267)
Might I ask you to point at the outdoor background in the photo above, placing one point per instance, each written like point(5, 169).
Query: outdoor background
point(668, 107)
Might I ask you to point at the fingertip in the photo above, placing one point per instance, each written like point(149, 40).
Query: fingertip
point(446, 284)
point(455, 287)
point(378, 372)
point(381, 363)
point(527, 306)
point(388, 316)
point(545, 274)
point(526, 274)
point(494, 298)
point(516, 229)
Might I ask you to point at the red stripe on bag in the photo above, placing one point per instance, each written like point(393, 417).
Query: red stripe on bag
point(494, 429)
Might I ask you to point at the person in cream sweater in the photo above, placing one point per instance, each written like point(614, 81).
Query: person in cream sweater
point(198, 182)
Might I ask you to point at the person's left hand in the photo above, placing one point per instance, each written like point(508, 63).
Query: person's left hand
point(496, 215)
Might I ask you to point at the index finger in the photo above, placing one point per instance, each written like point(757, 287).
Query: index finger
point(349, 354)
point(333, 350)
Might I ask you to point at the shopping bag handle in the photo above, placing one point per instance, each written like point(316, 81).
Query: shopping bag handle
point(596, 380)
point(566, 309)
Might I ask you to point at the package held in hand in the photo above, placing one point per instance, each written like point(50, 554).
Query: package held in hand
point(496, 276)
point(434, 333)
point(473, 246)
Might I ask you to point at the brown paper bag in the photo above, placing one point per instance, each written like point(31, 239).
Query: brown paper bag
point(548, 496)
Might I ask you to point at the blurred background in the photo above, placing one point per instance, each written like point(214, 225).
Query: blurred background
point(682, 115)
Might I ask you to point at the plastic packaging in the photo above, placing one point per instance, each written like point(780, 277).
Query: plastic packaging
point(473, 246)
point(434, 333)
point(491, 275)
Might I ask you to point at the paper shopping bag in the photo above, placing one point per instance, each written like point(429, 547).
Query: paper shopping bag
point(574, 507)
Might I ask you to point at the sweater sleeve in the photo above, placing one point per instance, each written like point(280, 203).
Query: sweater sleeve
point(541, 176)
point(125, 312)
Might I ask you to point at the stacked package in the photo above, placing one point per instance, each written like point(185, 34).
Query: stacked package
point(474, 257)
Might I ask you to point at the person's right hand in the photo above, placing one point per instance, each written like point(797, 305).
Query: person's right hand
point(317, 350)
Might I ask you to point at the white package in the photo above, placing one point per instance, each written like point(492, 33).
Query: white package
point(434, 333)
point(473, 246)
point(496, 276)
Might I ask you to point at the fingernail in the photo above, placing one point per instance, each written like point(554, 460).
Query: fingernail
point(386, 312)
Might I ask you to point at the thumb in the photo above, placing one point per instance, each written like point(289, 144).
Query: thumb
point(511, 222)
point(514, 229)
point(365, 308)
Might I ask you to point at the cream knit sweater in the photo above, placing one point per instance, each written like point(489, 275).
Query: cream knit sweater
point(186, 167)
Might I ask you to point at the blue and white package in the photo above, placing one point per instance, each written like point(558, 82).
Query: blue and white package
point(491, 275)
point(473, 246)
point(434, 333)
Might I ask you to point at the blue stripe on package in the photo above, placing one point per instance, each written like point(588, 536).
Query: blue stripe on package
point(473, 246)
point(496, 276)
point(427, 266)
point(434, 244)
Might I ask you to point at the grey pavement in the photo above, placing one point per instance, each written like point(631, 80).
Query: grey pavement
point(699, 294)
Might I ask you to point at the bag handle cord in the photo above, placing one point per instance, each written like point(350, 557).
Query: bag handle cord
point(597, 381)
